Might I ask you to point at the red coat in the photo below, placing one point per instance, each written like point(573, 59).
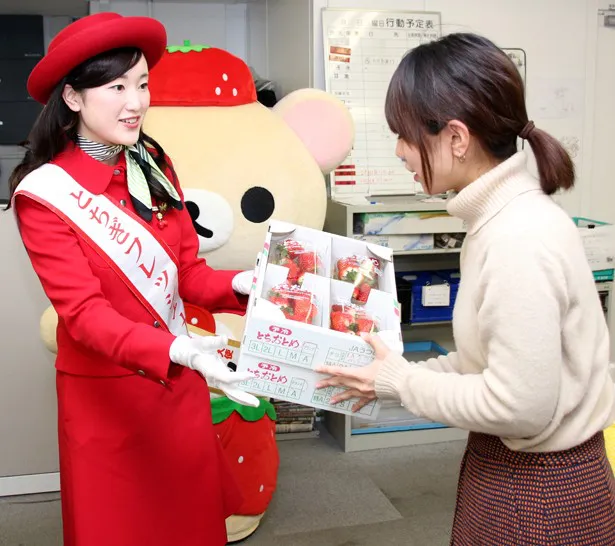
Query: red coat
point(140, 462)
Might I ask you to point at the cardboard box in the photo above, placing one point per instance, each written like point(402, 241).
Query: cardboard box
point(282, 352)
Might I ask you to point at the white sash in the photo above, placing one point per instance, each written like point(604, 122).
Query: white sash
point(148, 268)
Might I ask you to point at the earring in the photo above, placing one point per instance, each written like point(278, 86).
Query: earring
point(461, 158)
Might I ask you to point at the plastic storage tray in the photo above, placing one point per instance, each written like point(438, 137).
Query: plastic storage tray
point(410, 291)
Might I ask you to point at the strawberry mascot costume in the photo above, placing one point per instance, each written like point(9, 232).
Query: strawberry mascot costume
point(241, 164)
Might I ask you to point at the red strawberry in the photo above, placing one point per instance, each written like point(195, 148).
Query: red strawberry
point(296, 304)
point(309, 262)
point(365, 323)
point(347, 269)
point(278, 299)
point(288, 313)
point(285, 307)
point(360, 294)
point(294, 273)
point(303, 306)
point(343, 321)
point(280, 296)
point(290, 249)
point(305, 312)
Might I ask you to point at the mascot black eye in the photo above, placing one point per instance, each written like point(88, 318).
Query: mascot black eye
point(257, 205)
point(195, 212)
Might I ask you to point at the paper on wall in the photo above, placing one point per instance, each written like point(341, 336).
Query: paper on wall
point(599, 245)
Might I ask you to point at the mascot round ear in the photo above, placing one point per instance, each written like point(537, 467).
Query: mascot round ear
point(322, 122)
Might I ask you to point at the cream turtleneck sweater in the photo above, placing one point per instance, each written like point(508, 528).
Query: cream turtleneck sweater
point(532, 356)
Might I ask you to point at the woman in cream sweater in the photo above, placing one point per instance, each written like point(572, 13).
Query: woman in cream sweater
point(530, 378)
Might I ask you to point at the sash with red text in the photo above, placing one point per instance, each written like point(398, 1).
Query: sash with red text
point(131, 248)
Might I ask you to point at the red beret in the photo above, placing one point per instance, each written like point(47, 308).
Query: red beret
point(90, 36)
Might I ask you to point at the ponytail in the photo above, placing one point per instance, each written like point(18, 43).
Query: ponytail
point(555, 167)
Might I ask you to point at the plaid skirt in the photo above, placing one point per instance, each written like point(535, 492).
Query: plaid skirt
point(510, 498)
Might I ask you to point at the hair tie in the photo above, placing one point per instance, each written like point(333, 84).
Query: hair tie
point(527, 130)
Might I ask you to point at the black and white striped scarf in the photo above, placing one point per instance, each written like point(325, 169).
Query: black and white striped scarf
point(138, 161)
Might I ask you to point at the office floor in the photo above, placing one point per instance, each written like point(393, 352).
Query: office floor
point(399, 497)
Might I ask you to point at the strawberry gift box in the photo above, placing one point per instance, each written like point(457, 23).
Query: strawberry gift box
point(315, 293)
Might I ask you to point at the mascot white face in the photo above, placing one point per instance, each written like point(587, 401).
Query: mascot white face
point(239, 163)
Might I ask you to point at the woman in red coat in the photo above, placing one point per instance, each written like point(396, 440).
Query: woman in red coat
point(103, 220)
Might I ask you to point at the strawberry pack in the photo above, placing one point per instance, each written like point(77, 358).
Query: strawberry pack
point(314, 294)
point(300, 258)
point(362, 271)
point(352, 319)
point(296, 303)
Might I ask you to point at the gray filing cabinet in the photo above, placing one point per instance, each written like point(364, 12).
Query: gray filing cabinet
point(22, 45)
point(10, 157)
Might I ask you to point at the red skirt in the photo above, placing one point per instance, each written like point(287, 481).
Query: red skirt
point(512, 498)
point(140, 464)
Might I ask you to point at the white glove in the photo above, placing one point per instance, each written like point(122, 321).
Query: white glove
point(242, 282)
point(200, 353)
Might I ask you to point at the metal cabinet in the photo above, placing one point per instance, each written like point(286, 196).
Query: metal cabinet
point(22, 44)
point(10, 157)
point(16, 120)
point(13, 78)
point(21, 36)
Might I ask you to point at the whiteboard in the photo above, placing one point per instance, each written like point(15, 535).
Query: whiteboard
point(362, 49)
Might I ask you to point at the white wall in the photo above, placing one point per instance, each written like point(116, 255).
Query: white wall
point(600, 197)
point(289, 44)
point(215, 24)
point(257, 24)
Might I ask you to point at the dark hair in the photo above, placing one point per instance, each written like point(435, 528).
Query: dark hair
point(468, 78)
point(56, 125)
